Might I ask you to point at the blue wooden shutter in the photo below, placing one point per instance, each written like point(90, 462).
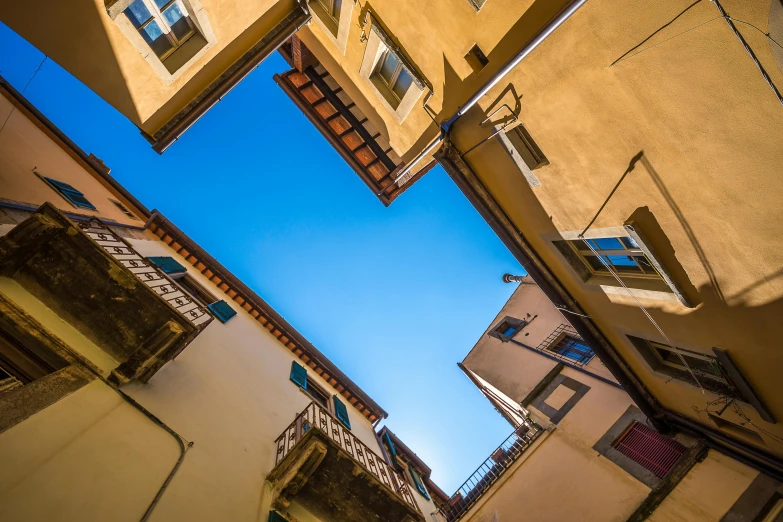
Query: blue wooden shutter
point(168, 264)
point(299, 374)
point(341, 412)
point(70, 193)
point(419, 483)
point(274, 516)
point(222, 311)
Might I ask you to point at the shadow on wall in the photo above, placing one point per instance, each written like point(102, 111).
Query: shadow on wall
point(73, 35)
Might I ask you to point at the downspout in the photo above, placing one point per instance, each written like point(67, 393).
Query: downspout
point(445, 127)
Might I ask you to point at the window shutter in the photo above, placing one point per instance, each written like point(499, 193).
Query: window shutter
point(299, 374)
point(419, 483)
point(645, 446)
point(274, 516)
point(70, 193)
point(341, 412)
point(168, 264)
point(392, 449)
point(222, 311)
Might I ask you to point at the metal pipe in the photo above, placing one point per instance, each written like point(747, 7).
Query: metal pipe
point(445, 127)
point(542, 35)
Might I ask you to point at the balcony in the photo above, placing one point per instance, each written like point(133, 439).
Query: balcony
point(567, 345)
point(489, 472)
point(100, 285)
point(325, 469)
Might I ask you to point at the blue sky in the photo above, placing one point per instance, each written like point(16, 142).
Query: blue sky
point(394, 296)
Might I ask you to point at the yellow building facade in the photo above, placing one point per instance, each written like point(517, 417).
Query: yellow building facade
point(141, 380)
point(580, 448)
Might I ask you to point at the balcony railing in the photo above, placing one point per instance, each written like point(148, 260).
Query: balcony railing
point(316, 417)
point(489, 472)
point(567, 345)
point(126, 255)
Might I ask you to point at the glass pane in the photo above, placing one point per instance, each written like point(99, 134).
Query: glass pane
point(388, 66)
point(178, 21)
point(646, 266)
point(622, 261)
point(402, 84)
point(607, 243)
point(629, 242)
point(336, 8)
point(595, 263)
point(161, 3)
point(156, 39)
point(137, 13)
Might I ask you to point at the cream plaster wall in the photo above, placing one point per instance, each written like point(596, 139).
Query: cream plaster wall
point(24, 146)
point(707, 492)
point(229, 392)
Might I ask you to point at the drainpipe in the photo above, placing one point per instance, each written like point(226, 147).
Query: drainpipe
point(445, 127)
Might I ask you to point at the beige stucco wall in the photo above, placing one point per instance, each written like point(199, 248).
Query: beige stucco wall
point(82, 38)
point(562, 477)
point(707, 123)
point(707, 492)
point(511, 368)
point(25, 146)
point(229, 392)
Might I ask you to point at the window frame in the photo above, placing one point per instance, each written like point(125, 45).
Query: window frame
point(377, 45)
point(124, 209)
point(330, 9)
point(335, 28)
point(387, 85)
point(156, 15)
point(630, 249)
point(314, 390)
point(556, 348)
point(506, 324)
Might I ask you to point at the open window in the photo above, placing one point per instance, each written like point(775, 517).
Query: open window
point(389, 74)
point(170, 34)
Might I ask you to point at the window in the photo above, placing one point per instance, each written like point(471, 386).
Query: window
point(123, 209)
point(167, 264)
point(299, 377)
point(20, 365)
point(164, 24)
point(572, 348)
point(507, 328)
point(665, 359)
point(738, 431)
point(622, 254)
point(650, 449)
point(391, 78)
point(331, 9)
point(387, 72)
point(418, 482)
point(198, 292)
point(341, 412)
point(526, 147)
point(476, 58)
point(73, 196)
point(167, 28)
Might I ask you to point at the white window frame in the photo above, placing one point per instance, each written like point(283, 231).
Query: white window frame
point(335, 28)
point(198, 19)
point(373, 53)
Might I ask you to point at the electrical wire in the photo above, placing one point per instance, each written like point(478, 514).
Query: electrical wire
point(644, 310)
point(13, 107)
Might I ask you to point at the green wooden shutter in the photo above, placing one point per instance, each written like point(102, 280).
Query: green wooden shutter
point(341, 412)
point(390, 445)
point(222, 311)
point(274, 516)
point(71, 194)
point(168, 264)
point(299, 374)
point(418, 481)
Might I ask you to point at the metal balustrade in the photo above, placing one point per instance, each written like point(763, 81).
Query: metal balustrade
point(317, 417)
point(146, 272)
point(489, 472)
point(567, 345)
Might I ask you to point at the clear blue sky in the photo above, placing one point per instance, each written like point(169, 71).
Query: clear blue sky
point(394, 296)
